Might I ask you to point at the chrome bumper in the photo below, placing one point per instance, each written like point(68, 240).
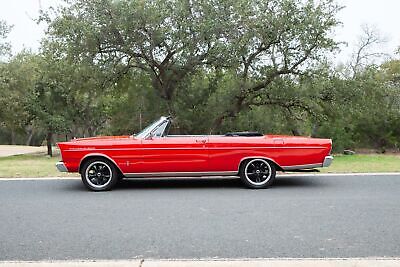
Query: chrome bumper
point(327, 161)
point(61, 167)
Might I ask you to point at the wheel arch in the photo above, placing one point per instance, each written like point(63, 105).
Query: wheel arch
point(98, 155)
point(243, 160)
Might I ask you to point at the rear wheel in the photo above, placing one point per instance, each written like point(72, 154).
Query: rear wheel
point(257, 173)
point(99, 174)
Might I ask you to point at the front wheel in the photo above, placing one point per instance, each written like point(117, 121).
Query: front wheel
point(99, 174)
point(257, 173)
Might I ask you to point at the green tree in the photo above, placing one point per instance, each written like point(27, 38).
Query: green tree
point(68, 98)
point(168, 40)
point(172, 40)
point(48, 99)
point(274, 40)
point(17, 80)
point(4, 31)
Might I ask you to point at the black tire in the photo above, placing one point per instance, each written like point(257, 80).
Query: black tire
point(257, 173)
point(99, 174)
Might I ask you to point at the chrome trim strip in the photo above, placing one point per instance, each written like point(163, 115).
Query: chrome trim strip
point(180, 174)
point(196, 148)
point(299, 167)
point(61, 167)
point(327, 161)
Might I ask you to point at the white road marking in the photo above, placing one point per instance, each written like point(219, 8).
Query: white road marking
point(271, 262)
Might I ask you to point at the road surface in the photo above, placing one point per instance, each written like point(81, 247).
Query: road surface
point(304, 216)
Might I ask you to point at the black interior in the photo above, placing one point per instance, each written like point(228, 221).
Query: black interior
point(248, 134)
point(168, 128)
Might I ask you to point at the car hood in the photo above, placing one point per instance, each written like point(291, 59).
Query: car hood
point(101, 138)
point(95, 141)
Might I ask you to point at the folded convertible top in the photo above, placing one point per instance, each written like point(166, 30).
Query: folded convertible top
point(248, 134)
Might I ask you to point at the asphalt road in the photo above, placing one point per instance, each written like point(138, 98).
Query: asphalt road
point(315, 216)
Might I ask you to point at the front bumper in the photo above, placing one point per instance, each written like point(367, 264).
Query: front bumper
point(61, 166)
point(327, 161)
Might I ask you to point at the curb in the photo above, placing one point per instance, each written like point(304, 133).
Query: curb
point(270, 262)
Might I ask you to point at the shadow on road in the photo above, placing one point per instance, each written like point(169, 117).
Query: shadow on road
point(174, 183)
point(202, 183)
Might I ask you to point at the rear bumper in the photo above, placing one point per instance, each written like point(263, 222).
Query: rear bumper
point(61, 166)
point(327, 161)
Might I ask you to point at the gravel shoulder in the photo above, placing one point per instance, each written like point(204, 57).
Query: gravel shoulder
point(9, 150)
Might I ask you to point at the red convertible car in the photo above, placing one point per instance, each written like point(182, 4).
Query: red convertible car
point(102, 161)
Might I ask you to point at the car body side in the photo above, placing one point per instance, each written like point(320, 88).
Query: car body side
point(196, 155)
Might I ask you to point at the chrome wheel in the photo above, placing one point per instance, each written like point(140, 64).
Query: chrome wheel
point(98, 174)
point(258, 172)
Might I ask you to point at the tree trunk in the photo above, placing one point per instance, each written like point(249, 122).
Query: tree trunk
point(231, 113)
point(13, 142)
point(91, 131)
point(296, 132)
point(314, 130)
point(293, 127)
point(49, 141)
point(30, 137)
point(170, 107)
point(217, 124)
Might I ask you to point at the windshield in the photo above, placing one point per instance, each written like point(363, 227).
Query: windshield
point(146, 131)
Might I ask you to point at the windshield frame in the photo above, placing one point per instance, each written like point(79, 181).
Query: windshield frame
point(146, 132)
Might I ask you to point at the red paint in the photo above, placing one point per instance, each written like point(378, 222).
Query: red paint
point(194, 153)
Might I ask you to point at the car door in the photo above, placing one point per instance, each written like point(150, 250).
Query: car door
point(226, 152)
point(173, 154)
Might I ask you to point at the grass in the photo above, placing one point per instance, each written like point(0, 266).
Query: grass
point(364, 163)
point(30, 165)
point(40, 165)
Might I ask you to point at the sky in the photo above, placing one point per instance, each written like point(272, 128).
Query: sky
point(382, 15)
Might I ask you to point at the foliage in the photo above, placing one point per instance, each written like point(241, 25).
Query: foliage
point(17, 78)
point(171, 40)
point(168, 40)
point(113, 66)
point(4, 46)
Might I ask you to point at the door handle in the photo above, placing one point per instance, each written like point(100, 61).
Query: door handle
point(201, 141)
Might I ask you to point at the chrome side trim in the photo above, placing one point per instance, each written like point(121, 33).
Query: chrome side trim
point(61, 167)
point(180, 174)
point(299, 167)
point(327, 161)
